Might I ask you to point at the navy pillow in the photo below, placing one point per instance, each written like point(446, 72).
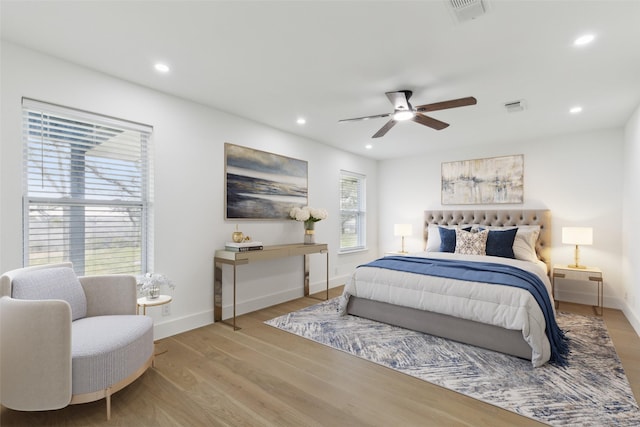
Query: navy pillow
point(448, 239)
point(500, 243)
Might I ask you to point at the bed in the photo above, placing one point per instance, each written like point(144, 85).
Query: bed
point(501, 318)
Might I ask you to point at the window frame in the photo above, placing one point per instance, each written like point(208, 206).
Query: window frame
point(359, 210)
point(91, 204)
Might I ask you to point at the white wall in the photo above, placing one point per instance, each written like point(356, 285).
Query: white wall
point(578, 177)
point(189, 186)
point(630, 221)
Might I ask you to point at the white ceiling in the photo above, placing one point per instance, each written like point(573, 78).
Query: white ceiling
point(328, 60)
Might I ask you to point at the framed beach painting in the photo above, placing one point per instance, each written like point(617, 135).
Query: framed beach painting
point(262, 185)
point(483, 181)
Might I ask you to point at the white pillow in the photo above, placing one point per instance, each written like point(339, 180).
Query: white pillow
point(59, 283)
point(433, 238)
point(524, 245)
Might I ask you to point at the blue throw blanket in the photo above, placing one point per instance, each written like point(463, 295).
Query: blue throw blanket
point(492, 273)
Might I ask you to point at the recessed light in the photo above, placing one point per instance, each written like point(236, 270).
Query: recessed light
point(575, 110)
point(368, 146)
point(162, 68)
point(583, 40)
point(301, 120)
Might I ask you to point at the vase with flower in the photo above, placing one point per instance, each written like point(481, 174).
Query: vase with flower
point(149, 284)
point(309, 216)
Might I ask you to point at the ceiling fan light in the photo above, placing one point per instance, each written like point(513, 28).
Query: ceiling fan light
point(584, 40)
point(403, 115)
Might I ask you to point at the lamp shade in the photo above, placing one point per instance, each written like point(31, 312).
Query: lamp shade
point(577, 235)
point(402, 230)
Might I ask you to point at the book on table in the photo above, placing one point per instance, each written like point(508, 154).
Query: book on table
point(243, 246)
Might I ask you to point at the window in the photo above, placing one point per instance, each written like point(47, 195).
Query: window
point(352, 211)
point(87, 187)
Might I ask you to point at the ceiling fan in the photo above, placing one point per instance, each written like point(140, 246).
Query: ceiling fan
point(403, 110)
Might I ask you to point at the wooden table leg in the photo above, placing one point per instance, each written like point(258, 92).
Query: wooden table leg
point(217, 292)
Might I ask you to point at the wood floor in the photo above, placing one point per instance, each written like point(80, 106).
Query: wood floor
point(261, 376)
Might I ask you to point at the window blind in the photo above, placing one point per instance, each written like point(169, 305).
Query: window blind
point(87, 190)
point(352, 211)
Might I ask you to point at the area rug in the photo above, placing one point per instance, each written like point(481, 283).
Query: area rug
point(592, 390)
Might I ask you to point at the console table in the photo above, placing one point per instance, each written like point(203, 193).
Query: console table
point(267, 253)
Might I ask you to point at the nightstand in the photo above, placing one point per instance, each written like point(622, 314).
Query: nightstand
point(396, 253)
point(588, 274)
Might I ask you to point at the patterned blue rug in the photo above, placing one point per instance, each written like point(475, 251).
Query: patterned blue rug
point(592, 390)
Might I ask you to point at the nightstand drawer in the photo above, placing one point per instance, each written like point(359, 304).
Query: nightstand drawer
point(574, 274)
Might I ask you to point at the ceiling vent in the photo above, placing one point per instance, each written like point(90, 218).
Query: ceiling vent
point(466, 10)
point(515, 106)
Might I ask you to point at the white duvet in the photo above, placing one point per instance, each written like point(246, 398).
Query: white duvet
point(505, 306)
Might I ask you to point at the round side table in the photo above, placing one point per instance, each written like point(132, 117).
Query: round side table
point(145, 302)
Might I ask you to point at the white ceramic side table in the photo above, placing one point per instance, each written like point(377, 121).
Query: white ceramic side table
point(145, 302)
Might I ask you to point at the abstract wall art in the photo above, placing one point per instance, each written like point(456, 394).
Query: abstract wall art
point(483, 181)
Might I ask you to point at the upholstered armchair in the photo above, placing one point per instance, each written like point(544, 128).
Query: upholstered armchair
point(66, 339)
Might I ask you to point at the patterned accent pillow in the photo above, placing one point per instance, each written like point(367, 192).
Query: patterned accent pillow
point(471, 243)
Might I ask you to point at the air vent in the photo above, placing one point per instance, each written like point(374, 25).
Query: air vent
point(466, 10)
point(515, 106)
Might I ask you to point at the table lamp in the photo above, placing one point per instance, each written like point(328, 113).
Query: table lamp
point(577, 236)
point(402, 230)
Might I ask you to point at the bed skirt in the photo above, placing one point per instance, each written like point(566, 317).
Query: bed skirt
point(466, 331)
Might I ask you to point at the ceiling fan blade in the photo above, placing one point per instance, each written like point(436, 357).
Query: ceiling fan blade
point(400, 99)
point(384, 129)
point(453, 103)
point(429, 121)
point(377, 116)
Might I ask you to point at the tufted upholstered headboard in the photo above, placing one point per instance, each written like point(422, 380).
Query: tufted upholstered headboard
point(504, 217)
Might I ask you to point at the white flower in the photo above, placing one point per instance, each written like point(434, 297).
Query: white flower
point(318, 214)
point(151, 280)
point(308, 214)
point(300, 214)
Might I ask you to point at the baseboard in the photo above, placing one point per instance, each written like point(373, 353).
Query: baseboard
point(609, 302)
point(588, 299)
point(182, 324)
point(632, 317)
point(334, 282)
point(264, 301)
